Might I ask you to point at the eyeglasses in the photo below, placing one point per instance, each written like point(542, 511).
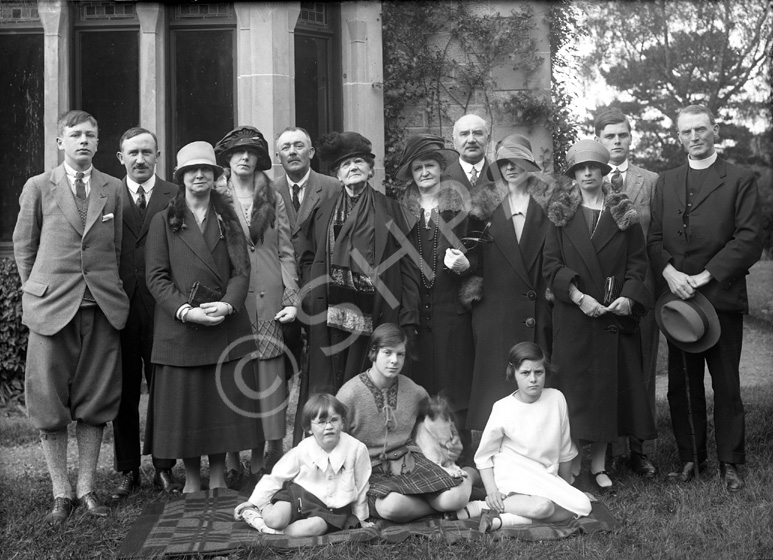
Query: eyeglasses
point(332, 420)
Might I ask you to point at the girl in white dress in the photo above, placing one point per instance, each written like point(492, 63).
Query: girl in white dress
point(526, 451)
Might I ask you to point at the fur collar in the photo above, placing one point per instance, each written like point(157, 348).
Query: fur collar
point(488, 196)
point(564, 202)
point(227, 220)
point(449, 200)
point(263, 206)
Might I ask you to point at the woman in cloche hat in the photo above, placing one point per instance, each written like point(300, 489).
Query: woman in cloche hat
point(273, 297)
point(440, 207)
point(508, 295)
point(594, 263)
point(198, 272)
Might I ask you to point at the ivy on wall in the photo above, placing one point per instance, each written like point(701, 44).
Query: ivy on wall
point(441, 57)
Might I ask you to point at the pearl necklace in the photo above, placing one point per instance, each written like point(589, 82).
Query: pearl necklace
point(424, 278)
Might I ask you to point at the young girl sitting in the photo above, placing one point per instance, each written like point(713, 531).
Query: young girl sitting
point(319, 486)
point(525, 453)
point(383, 409)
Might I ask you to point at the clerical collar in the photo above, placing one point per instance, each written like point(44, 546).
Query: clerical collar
point(704, 163)
point(467, 167)
point(303, 180)
point(147, 186)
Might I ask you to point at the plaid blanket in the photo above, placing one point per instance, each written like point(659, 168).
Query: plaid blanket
point(202, 523)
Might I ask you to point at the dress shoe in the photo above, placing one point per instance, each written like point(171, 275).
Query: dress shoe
point(272, 457)
point(603, 489)
point(233, 479)
point(93, 505)
point(733, 479)
point(641, 465)
point(487, 521)
point(688, 471)
point(617, 464)
point(164, 480)
point(130, 481)
point(61, 511)
point(251, 480)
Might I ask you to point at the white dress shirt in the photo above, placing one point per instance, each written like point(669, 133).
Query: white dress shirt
point(623, 168)
point(517, 211)
point(467, 167)
point(147, 186)
point(302, 184)
point(70, 172)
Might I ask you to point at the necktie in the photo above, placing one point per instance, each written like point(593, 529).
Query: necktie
point(141, 202)
point(80, 186)
point(617, 180)
point(296, 200)
point(473, 177)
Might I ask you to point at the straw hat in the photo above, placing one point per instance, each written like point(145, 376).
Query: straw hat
point(196, 154)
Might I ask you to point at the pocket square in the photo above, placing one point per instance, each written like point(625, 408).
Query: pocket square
point(107, 217)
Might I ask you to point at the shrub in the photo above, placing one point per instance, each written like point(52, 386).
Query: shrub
point(13, 335)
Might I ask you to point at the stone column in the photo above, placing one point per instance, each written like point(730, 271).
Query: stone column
point(265, 67)
point(152, 80)
point(57, 45)
point(363, 76)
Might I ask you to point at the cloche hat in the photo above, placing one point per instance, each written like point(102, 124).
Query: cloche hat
point(244, 137)
point(337, 146)
point(585, 151)
point(196, 154)
point(421, 145)
point(690, 324)
point(515, 148)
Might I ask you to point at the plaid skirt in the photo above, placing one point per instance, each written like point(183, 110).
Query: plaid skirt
point(305, 504)
point(426, 478)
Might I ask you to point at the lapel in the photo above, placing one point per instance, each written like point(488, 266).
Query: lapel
point(97, 199)
point(382, 218)
point(533, 236)
point(605, 230)
point(576, 233)
point(633, 184)
point(242, 220)
point(64, 198)
point(283, 188)
point(714, 180)
point(196, 242)
point(504, 238)
point(313, 188)
point(159, 200)
point(129, 213)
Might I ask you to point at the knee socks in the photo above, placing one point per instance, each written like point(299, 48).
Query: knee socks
point(89, 442)
point(55, 451)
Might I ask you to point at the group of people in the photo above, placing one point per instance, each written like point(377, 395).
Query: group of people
point(487, 282)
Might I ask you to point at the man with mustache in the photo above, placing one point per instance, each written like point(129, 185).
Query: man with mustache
point(144, 194)
point(67, 245)
point(471, 136)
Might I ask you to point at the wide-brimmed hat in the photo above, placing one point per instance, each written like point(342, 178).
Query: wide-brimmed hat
point(196, 154)
point(515, 148)
point(422, 146)
point(244, 138)
point(337, 146)
point(585, 151)
point(690, 324)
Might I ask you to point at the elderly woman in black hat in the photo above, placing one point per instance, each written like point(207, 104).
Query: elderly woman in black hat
point(440, 208)
point(508, 293)
point(353, 272)
point(198, 271)
point(273, 294)
point(595, 262)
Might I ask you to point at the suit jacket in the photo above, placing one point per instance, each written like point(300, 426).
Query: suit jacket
point(319, 189)
point(724, 235)
point(132, 267)
point(455, 171)
point(57, 257)
point(640, 187)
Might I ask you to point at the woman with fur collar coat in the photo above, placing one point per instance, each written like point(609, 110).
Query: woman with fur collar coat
point(595, 262)
point(444, 343)
point(508, 294)
point(198, 403)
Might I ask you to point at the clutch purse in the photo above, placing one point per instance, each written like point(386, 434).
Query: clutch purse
point(612, 289)
point(201, 294)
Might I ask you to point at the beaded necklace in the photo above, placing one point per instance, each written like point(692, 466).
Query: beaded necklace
point(429, 282)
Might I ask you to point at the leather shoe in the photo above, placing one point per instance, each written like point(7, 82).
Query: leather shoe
point(617, 464)
point(164, 479)
point(93, 505)
point(62, 509)
point(733, 479)
point(688, 472)
point(130, 481)
point(642, 466)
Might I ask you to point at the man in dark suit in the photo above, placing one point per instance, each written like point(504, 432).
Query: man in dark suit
point(67, 244)
point(303, 190)
point(613, 131)
point(144, 194)
point(471, 136)
point(706, 232)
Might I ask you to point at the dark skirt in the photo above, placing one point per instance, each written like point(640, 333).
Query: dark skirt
point(426, 478)
point(197, 411)
point(305, 504)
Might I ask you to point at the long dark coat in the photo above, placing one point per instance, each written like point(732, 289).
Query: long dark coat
point(445, 348)
point(598, 361)
point(510, 306)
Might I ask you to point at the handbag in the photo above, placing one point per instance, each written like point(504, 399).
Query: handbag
point(201, 294)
